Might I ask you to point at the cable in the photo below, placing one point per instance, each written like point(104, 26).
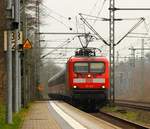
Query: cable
point(66, 42)
point(77, 24)
point(146, 27)
point(106, 19)
point(55, 49)
point(54, 11)
point(94, 6)
point(93, 16)
point(66, 18)
point(133, 28)
point(59, 21)
point(92, 29)
point(100, 11)
point(47, 14)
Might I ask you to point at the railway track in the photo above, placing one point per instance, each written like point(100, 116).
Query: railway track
point(133, 104)
point(123, 123)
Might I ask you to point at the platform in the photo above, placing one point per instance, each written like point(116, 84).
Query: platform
point(60, 115)
point(39, 117)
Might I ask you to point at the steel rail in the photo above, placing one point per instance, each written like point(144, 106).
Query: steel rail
point(123, 121)
point(133, 104)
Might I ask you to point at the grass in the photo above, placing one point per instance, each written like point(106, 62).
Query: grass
point(129, 115)
point(132, 115)
point(17, 118)
point(110, 109)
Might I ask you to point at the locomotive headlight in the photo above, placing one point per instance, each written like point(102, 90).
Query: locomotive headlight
point(103, 87)
point(75, 87)
point(89, 75)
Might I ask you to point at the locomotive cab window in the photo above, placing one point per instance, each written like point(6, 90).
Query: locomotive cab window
point(81, 67)
point(97, 67)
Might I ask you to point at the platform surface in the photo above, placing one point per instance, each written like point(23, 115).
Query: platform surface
point(39, 117)
point(60, 115)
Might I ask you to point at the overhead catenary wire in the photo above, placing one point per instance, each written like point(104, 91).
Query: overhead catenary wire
point(59, 15)
point(107, 19)
point(55, 49)
point(100, 11)
point(58, 20)
point(65, 43)
point(53, 17)
point(51, 10)
point(94, 31)
point(138, 37)
point(146, 26)
point(96, 17)
point(77, 24)
point(62, 54)
point(54, 40)
point(133, 28)
point(94, 6)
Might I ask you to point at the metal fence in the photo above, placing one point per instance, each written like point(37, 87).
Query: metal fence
point(132, 80)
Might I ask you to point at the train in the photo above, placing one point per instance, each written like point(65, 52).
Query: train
point(85, 80)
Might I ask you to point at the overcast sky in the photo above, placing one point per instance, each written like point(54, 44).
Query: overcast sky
point(56, 13)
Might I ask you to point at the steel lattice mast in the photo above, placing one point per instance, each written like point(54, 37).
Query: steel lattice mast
point(112, 48)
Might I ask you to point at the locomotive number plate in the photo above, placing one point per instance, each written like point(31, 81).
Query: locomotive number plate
point(89, 80)
point(88, 86)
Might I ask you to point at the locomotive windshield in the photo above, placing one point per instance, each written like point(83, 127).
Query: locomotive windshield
point(93, 67)
point(81, 67)
point(97, 67)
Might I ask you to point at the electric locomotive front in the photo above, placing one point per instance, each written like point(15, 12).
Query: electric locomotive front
point(88, 78)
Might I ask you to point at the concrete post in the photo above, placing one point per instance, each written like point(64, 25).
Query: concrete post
point(17, 31)
point(9, 80)
point(9, 64)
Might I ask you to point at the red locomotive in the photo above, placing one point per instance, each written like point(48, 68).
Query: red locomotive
point(85, 80)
